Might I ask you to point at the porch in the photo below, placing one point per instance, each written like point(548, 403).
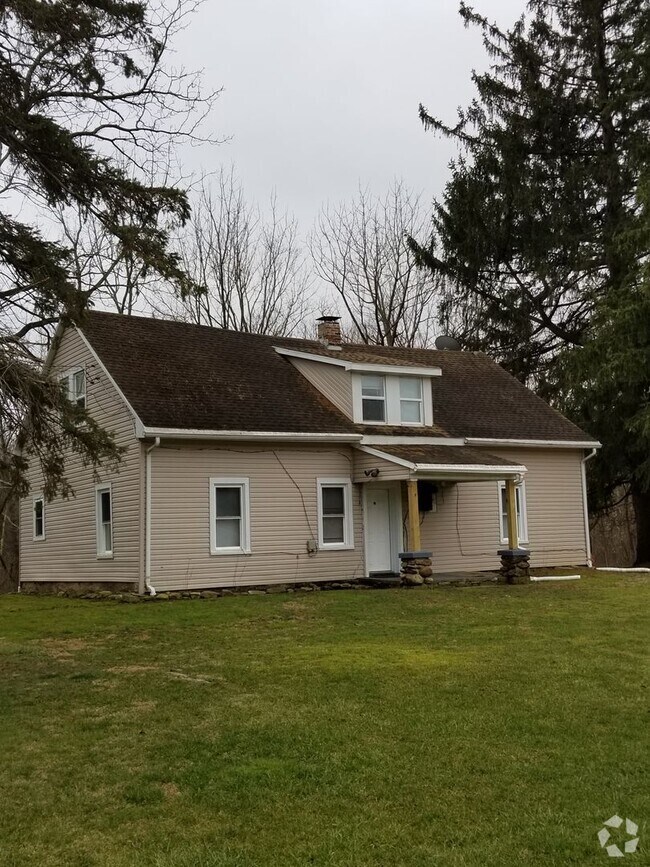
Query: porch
point(412, 496)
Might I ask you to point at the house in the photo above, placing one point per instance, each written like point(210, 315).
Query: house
point(252, 459)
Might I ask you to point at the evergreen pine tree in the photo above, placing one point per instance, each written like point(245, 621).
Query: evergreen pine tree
point(533, 230)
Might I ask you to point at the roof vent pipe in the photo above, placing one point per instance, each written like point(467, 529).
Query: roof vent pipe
point(329, 329)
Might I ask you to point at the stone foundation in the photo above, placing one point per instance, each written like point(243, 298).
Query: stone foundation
point(76, 588)
point(416, 568)
point(515, 566)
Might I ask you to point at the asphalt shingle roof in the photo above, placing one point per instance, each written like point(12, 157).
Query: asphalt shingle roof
point(444, 455)
point(180, 375)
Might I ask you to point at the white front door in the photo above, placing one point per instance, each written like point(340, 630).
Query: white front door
point(378, 529)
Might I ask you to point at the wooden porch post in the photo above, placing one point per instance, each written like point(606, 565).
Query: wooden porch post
point(511, 502)
point(413, 514)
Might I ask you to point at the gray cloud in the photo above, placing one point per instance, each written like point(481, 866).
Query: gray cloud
point(322, 95)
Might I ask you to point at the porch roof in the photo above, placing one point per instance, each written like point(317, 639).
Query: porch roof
point(460, 463)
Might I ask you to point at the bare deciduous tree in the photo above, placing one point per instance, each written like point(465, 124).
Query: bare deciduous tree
point(251, 266)
point(361, 251)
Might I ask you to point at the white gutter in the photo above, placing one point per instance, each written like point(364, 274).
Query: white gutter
point(622, 569)
point(469, 468)
point(261, 436)
point(585, 505)
point(549, 444)
point(147, 526)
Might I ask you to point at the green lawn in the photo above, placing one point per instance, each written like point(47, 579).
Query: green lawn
point(478, 726)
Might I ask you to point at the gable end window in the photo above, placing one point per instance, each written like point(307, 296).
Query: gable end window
point(39, 518)
point(230, 516)
point(522, 518)
point(373, 398)
point(335, 528)
point(104, 517)
point(75, 384)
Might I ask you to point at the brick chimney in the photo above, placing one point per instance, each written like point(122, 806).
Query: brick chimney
point(329, 329)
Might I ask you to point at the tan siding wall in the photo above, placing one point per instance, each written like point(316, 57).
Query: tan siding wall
point(281, 524)
point(334, 382)
point(464, 532)
point(388, 471)
point(69, 551)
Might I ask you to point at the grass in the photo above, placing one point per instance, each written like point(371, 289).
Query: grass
point(478, 726)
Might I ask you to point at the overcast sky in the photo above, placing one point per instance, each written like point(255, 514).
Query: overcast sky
point(321, 95)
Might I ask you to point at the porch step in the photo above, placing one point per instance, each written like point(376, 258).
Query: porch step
point(382, 579)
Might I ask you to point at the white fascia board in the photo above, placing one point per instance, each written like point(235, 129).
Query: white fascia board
point(550, 444)
point(402, 369)
point(254, 436)
point(386, 440)
point(139, 427)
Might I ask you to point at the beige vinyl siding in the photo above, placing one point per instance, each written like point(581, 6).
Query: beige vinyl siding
point(464, 532)
point(69, 551)
point(388, 470)
point(334, 382)
point(283, 504)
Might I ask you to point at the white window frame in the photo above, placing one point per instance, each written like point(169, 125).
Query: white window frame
point(243, 484)
point(68, 378)
point(38, 499)
point(522, 513)
point(392, 399)
point(348, 520)
point(419, 401)
point(101, 553)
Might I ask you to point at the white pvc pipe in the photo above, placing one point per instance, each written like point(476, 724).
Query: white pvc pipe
point(555, 577)
point(622, 569)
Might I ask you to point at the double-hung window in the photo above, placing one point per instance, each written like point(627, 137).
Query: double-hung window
point(410, 400)
point(229, 516)
point(373, 398)
point(335, 528)
point(39, 518)
point(75, 385)
point(522, 520)
point(104, 517)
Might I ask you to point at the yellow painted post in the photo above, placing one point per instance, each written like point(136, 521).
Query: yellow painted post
point(511, 502)
point(413, 515)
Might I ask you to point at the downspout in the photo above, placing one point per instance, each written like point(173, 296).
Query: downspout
point(585, 508)
point(147, 525)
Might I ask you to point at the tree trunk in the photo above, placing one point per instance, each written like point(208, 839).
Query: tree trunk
point(641, 503)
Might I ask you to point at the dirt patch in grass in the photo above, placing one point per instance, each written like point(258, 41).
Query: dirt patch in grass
point(66, 648)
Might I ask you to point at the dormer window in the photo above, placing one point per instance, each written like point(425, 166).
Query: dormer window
point(373, 398)
point(410, 400)
point(392, 399)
